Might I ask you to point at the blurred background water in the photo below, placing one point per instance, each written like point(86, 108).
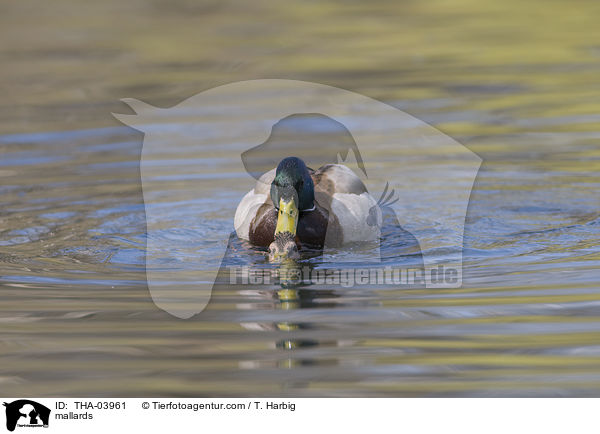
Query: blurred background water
point(515, 82)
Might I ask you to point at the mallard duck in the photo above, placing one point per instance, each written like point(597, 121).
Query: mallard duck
point(294, 206)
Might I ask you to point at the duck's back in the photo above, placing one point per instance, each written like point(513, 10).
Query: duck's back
point(341, 192)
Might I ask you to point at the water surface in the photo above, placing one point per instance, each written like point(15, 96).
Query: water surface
point(517, 84)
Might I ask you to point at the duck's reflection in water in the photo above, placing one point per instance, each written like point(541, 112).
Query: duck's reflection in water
point(294, 295)
point(291, 292)
point(292, 302)
point(276, 299)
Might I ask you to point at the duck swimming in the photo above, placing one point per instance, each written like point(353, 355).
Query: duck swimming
point(294, 206)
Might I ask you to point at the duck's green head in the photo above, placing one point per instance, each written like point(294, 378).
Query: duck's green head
point(292, 191)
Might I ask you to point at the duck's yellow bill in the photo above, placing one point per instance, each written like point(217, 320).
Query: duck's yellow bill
point(287, 217)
